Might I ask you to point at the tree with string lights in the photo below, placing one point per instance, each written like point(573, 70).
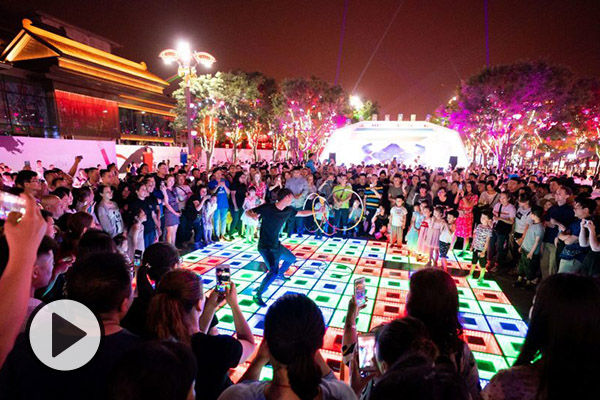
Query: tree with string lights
point(308, 110)
point(507, 108)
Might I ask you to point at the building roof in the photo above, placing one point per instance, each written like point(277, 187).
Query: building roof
point(33, 43)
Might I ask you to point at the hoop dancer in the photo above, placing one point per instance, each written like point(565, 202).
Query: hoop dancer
point(270, 248)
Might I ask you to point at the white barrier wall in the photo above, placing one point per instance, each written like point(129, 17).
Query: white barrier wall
point(16, 150)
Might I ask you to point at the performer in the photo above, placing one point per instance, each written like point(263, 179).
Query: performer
point(274, 215)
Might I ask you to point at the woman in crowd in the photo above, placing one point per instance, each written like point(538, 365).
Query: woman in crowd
point(260, 186)
point(466, 199)
point(108, 212)
point(433, 299)
point(171, 209)
point(122, 196)
point(174, 314)
point(77, 225)
point(158, 259)
point(294, 331)
point(559, 359)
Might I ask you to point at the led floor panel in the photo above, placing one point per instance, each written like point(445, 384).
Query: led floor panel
point(325, 271)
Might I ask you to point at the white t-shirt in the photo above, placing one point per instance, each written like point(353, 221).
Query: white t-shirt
point(398, 215)
point(331, 389)
point(522, 219)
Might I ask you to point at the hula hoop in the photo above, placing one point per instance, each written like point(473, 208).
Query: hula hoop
point(325, 203)
point(362, 207)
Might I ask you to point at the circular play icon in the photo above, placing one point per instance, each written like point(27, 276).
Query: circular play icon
point(64, 335)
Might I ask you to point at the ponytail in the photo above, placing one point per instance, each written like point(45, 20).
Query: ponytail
point(177, 294)
point(304, 375)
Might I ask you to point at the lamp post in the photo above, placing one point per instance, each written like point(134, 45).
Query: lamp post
point(187, 60)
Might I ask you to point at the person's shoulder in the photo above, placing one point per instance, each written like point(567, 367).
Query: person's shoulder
point(248, 390)
point(334, 389)
point(520, 382)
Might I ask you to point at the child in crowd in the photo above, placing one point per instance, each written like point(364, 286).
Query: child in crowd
point(433, 236)
point(412, 237)
point(530, 249)
point(250, 224)
point(447, 237)
point(426, 225)
point(122, 246)
point(353, 217)
point(208, 212)
point(481, 244)
point(321, 215)
point(397, 222)
point(379, 224)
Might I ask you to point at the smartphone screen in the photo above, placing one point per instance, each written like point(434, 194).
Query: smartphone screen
point(359, 292)
point(10, 203)
point(366, 352)
point(137, 258)
point(223, 278)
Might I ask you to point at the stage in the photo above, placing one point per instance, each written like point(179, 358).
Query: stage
point(325, 271)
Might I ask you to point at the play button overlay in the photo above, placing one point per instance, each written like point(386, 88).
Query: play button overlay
point(64, 335)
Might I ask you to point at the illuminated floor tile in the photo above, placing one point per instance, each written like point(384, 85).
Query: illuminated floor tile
point(469, 306)
point(465, 293)
point(339, 318)
point(388, 283)
point(485, 285)
point(476, 322)
point(482, 342)
point(499, 310)
point(324, 299)
point(510, 345)
point(507, 326)
point(491, 296)
point(489, 364)
point(369, 279)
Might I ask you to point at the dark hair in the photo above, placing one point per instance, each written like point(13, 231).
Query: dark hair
point(100, 282)
point(400, 197)
point(154, 370)
point(119, 240)
point(488, 213)
point(434, 301)
point(294, 331)
point(24, 176)
point(46, 245)
point(177, 294)
point(401, 336)
point(454, 213)
point(588, 204)
point(95, 241)
point(524, 198)
point(564, 331)
point(158, 259)
point(416, 378)
point(537, 211)
point(77, 224)
point(283, 193)
point(61, 192)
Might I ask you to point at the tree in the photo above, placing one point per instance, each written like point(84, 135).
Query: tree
point(509, 107)
point(365, 113)
point(307, 110)
point(238, 106)
point(262, 124)
point(206, 96)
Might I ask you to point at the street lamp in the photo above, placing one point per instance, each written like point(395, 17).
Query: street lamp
point(187, 60)
point(356, 102)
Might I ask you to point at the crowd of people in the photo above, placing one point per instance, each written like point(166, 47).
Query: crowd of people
point(83, 228)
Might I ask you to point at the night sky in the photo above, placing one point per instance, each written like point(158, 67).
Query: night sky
point(430, 46)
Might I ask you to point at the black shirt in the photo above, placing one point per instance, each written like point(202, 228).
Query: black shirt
point(240, 193)
point(215, 356)
point(447, 205)
point(23, 376)
point(563, 214)
point(148, 206)
point(272, 221)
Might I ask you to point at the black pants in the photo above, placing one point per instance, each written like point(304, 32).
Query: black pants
point(498, 248)
point(236, 221)
point(271, 258)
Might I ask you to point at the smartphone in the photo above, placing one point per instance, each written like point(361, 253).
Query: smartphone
point(10, 203)
point(366, 352)
point(223, 278)
point(359, 292)
point(137, 258)
point(460, 186)
point(28, 163)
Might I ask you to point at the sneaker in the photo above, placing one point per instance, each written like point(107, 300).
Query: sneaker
point(529, 285)
point(284, 277)
point(259, 301)
point(299, 235)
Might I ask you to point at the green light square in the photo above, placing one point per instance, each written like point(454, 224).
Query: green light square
point(499, 310)
point(369, 279)
point(336, 276)
point(370, 291)
point(369, 305)
point(471, 306)
point(247, 275)
point(339, 318)
point(485, 285)
point(397, 284)
point(324, 299)
point(510, 345)
point(465, 293)
point(489, 364)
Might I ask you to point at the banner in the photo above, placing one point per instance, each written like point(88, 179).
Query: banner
point(16, 150)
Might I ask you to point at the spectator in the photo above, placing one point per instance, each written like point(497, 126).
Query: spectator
point(103, 284)
point(299, 187)
point(238, 195)
point(433, 299)
point(154, 370)
point(504, 214)
point(530, 249)
point(220, 188)
point(588, 237)
point(558, 216)
point(175, 312)
point(171, 208)
point(562, 333)
point(108, 212)
point(573, 254)
point(294, 331)
point(466, 199)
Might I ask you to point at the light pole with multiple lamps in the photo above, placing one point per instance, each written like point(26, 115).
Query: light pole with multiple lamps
point(187, 60)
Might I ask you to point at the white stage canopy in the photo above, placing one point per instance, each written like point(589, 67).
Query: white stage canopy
point(411, 142)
